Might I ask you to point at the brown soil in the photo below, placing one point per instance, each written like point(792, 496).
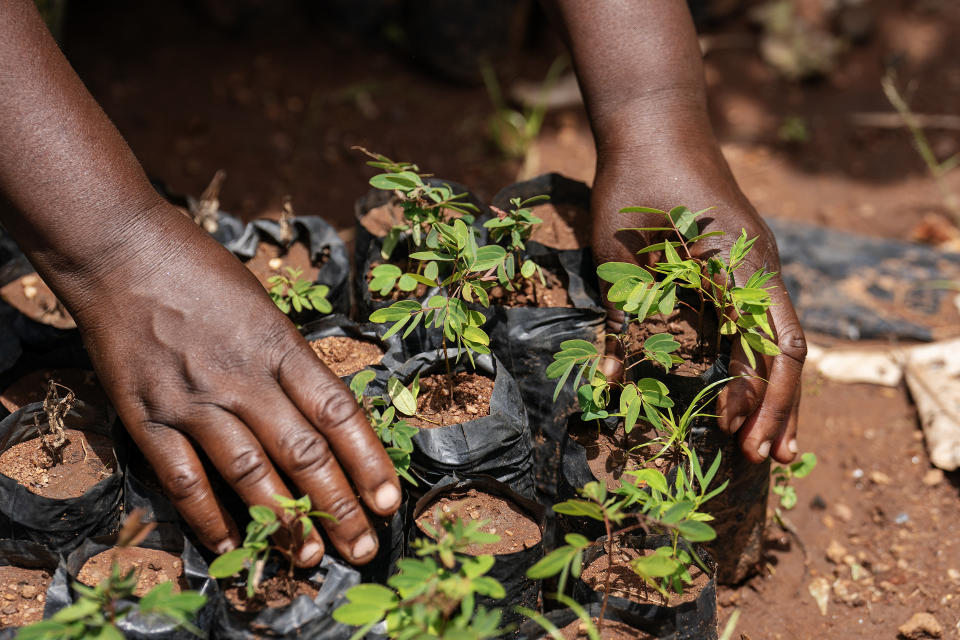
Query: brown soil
point(516, 530)
point(153, 567)
point(270, 260)
point(33, 298)
point(564, 227)
point(576, 630)
point(87, 459)
point(344, 355)
point(275, 591)
point(23, 595)
point(532, 293)
point(379, 220)
point(607, 453)
point(624, 583)
point(683, 325)
point(471, 399)
point(33, 387)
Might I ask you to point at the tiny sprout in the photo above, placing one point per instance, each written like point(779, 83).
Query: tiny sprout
point(293, 294)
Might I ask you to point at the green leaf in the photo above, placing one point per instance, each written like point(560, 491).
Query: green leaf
point(657, 565)
point(652, 477)
point(371, 594)
point(677, 512)
point(401, 397)
point(614, 271)
point(360, 381)
point(528, 269)
point(230, 564)
point(804, 466)
point(695, 531)
point(686, 221)
point(551, 564)
point(580, 508)
point(357, 614)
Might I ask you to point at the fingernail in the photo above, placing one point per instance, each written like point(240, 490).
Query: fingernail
point(309, 552)
point(363, 546)
point(792, 445)
point(764, 449)
point(735, 423)
point(387, 496)
point(225, 546)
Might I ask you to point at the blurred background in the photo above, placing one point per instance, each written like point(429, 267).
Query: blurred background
point(839, 113)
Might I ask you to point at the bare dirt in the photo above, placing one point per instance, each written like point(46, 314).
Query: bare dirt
point(576, 630)
point(532, 292)
point(609, 455)
point(344, 355)
point(624, 583)
point(33, 387)
point(33, 298)
point(516, 530)
point(22, 596)
point(87, 459)
point(697, 338)
point(271, 260)
point(276, 591)
point(471, 399)
point(380, 220)
point(153, 567)
point(564, 226)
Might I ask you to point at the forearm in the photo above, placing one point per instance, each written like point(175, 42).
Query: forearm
point(77, 191)
point(640, 70)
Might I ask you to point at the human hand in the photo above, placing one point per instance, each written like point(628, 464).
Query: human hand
point(760, 404)
point(196, 357)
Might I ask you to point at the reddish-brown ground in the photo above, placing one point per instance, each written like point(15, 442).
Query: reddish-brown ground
point(279, 103)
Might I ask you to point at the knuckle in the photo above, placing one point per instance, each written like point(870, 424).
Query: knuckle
point(183, 482)
point(344, 508)
point(306, 452)
point(793, 343)
point(247, 467)
point(334, 407)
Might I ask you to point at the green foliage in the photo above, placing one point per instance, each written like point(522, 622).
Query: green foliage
point(784, 475)
point(251, 557)
point(393, 431)
point(512, 229)
point(291, 294)
point(433, 595)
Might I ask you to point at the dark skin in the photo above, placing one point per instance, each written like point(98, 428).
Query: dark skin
point(195, 356)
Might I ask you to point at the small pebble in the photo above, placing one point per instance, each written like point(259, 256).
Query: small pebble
point(29, 591)
point(9, 596)
point(921, 625)
point(30, 280)
point(508, 532)
point(275, 264)
point(879, 478)
point(843, 512)
point(30, 292)
point(835, 552)
point(933, 477)
point(902, 518)
point(10, 609)
point(857, 474)
point(954, 575)
point(818, 502)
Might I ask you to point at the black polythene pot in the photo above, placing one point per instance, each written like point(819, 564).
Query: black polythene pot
point(694, 620)
point(27, 555)
point(339, 325)
point(740, 511)
point(59, 524)
point(136, 626)
point(560, 618)
point(496, 445)
point(303, 618)
point(141, 488)
point(509, 569)
point(320, 239)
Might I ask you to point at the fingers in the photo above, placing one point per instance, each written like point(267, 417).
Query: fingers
point(785, 447)
point(742, 395)
point(243, 463)
point(329, 406)
point(305, 457)
point(186, 485)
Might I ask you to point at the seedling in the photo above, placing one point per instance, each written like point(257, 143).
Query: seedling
point(54, 437)
point(394, 433)
point(424, 204)
point(784, 475)
point(586, 622)
point(95, 614)
point(206, 210)
point(512, 229)
point(292, 294)
point(433, 595)
point(296, 518)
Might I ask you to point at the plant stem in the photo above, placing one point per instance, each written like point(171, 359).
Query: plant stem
point(606, 585)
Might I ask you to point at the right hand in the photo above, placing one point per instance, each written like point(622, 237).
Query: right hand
point(196, 357)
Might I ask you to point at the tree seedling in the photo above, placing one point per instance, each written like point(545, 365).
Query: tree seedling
point(433, 595)
point(98, 610)
point(395, 434)
point(251, 557)
point(424, 204)
point(292, 294)
point(512, 229)
point(783, 476)
point(205, 211)
point(53, 438)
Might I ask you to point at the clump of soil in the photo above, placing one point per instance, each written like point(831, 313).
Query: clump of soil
point(516, 530)
point(344, 355)
point(22, 596)
point(471, 399)
point(275, 591)
point(87, 459)
point(33, 298)
point(685, 326)
point(153, 566)
point(531, 292)
point(608, 453)
point(624, 583)
point(32, 387)
point(612, 630)
point(271, 260)
point(564, 227)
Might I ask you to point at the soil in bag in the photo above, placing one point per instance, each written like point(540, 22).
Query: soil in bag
point(691, 615)
point(285, 611)
point(571, 627)
point(165, 555)
point(26, 571)
point(34, 314)
point(346, 347)
point(58, 501)
point(482, 432)
point(519, 522)
point(307, 243)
